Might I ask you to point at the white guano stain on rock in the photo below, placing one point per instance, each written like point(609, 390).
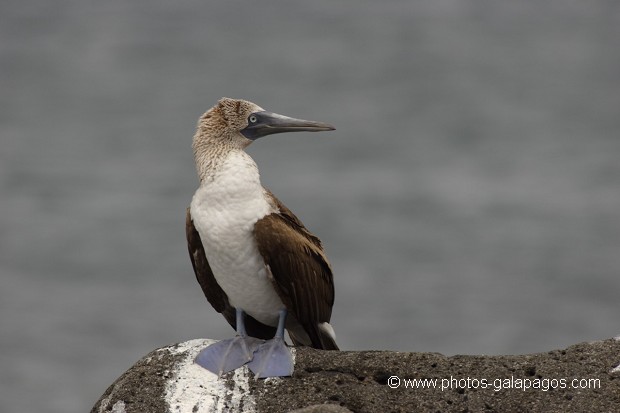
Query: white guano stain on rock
point(193, 389)
point(119, 407)
point(103, 407)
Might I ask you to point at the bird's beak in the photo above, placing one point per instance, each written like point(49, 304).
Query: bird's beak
point(267, 123)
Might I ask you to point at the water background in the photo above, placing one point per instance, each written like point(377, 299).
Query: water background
point(469, 200)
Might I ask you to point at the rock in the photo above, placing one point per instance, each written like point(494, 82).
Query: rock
point(322, 408)
point(583, 377)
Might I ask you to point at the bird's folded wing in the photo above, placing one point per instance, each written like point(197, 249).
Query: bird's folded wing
point(301, 272)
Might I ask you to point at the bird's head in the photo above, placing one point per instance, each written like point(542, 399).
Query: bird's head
point(238, 123)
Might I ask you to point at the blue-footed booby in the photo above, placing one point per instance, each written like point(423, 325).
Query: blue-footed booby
point(256, 262)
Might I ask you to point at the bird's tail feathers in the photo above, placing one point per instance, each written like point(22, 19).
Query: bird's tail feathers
point(320, 336)
point(327, 336)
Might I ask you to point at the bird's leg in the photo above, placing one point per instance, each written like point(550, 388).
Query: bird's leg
point(273, 358)
point(228, 355)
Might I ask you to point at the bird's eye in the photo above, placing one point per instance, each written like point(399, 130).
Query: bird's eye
point(253, 119)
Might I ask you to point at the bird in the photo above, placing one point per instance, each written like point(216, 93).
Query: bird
point(255, 261)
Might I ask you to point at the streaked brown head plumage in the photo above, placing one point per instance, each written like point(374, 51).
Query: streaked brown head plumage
point(218, 132)
point(225, 120)
point(232, 124)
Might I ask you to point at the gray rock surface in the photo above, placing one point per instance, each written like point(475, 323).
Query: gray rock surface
point(580, 378)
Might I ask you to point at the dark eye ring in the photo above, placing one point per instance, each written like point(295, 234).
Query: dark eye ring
point(253, 118)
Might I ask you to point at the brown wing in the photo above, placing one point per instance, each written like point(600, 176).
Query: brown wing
point(301, 272)
point(212, 290)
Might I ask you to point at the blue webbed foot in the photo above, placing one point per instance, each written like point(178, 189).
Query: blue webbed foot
point(272, 359)
point(228, 355)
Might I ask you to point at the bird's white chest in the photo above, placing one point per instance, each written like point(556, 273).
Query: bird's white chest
point(224, 210)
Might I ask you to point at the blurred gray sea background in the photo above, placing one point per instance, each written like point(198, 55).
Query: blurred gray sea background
point(469, 200)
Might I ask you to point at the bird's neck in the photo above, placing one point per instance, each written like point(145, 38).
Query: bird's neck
point(212, 147)
point(209, 155)
point(232, 183)
point(208, 159)
point(221, 159)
